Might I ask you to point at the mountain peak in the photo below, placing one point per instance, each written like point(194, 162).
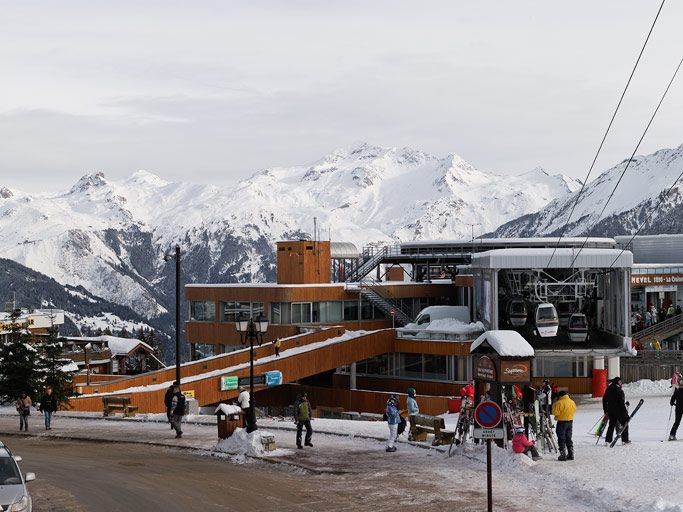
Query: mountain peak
point(146, 177)
point(90, 181)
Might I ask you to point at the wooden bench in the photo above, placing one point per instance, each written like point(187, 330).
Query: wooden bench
point(421, 426)
point(113, 404)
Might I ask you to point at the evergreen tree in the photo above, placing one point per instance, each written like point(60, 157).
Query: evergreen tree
point(107, 331)
point(98, 331)
point(123, 333)
point(51, 364)
point(17, 363)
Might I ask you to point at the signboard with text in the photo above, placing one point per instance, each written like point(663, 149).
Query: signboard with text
point(485, 369)
point(656, 279)
point(515, 371)
point(229, 383)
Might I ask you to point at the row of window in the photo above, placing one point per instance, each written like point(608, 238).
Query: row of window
point(415, 366)
point(656, 270)
point(304, 312)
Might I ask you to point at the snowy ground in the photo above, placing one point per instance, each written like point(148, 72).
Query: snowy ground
point(642, 476)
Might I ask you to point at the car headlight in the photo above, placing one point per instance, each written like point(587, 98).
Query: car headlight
point(19, 506)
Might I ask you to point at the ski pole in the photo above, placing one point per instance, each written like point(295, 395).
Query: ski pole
point(667, 423)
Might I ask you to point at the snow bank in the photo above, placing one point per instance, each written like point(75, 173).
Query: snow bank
point(505, 343)
point(647, 387)
point(241, 443)
point(228, 409)
point(456, 326)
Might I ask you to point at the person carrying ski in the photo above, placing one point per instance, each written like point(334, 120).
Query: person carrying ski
point(545, 397)
point(564, 410)
point(676, 400)
point(303, 417)
point(520, 444)
point(614, 405)
point(393, 420)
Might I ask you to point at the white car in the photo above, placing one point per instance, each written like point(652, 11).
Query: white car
point(14, 496)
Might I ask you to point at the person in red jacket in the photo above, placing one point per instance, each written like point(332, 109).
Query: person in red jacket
point(520, 444)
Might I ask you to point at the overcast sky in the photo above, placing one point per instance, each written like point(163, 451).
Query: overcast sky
point(213, 91)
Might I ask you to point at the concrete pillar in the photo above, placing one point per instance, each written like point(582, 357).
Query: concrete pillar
point(598, 362)
point(352, 376)
point(613, 368)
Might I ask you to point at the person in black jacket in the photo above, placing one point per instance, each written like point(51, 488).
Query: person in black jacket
point(168, 402)
point(614, 405)
point(677, 400)
point(48, 405)
point(178, 411)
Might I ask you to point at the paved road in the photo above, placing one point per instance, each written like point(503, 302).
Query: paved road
point(79, 476)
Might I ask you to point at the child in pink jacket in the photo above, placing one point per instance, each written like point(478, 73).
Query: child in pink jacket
point(520, 444)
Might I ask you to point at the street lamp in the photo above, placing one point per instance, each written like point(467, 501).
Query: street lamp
point(88, 346)
point(170, 254)
point(251, 330)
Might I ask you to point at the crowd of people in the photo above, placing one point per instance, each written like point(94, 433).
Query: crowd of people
point(651, 315)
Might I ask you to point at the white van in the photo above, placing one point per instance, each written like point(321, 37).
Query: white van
point(431, 313)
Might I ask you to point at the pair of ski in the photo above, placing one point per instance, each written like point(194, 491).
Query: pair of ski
point(599, 427)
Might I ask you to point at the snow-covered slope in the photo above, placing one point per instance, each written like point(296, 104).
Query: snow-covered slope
point(646, 181)
point(110, 236)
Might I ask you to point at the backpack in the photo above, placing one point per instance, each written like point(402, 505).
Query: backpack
point(180, 406)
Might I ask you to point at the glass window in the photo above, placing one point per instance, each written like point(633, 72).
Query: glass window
point(301, 312)
point(435, 367)
point(234, 310)
point(256, 309)
point(424, 319)
point(275, 313)
point(378, 365)
point(350, 310)
point(546, 313)
point(202, 350)
point(410, 366)
point(203, 311)
point(558, 367)
point(366, 310)
point(9, 473)
point(329, 311)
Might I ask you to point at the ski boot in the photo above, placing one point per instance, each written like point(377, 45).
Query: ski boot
point(563, 455)
point(570, 454)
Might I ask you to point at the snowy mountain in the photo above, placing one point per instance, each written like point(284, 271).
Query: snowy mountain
point(645, 183)
point(110, 236)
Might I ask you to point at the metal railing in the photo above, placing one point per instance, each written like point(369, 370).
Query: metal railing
point(381, 297)
point(423, 334)
point(662, 329)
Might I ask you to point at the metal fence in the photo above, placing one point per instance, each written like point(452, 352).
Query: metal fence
point(651, 364)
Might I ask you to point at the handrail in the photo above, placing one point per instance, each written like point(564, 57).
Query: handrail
point(659, 327)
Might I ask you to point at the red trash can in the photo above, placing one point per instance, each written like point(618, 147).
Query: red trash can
point(453, 405)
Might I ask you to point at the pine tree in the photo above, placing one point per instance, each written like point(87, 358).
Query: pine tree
point(123, 333)
point(17, 363)
point(51, 364)
point(107, 331)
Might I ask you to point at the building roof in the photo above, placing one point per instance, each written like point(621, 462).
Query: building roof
point(343, 250)
point(563, 257)
point(117, 346)
point(505, 343)
point(521, 242)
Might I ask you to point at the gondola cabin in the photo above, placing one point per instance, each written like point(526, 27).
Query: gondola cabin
point(547, 321)
point(517, 312)
point(578, 328)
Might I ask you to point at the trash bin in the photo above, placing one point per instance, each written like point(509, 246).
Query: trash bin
point(454, 405)
point(229, 418)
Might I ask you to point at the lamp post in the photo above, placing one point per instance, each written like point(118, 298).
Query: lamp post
point(88, 346)
point(170, 254)
point(251, 331)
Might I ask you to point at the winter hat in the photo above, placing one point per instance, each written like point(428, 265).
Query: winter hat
point(562, 393)
point(411, 392)
point(616, 380)
point(519, 430)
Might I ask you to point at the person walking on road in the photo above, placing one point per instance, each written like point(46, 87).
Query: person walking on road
point(676, 400)
point(303, 417)
point(23, 406)
point(48, 405)
point(564, 410)
point(393, 419)
point(277, 344)
point(168, 399)
point(178, 411)
point(614, 405)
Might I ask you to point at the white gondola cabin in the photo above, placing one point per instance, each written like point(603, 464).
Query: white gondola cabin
point(547, 321)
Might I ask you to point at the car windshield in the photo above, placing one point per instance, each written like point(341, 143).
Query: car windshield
point(9, 472)
point(424, 319)
point(547, 313)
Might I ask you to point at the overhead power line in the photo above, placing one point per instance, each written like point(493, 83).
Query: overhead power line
point(604, 137)
point(621, 176)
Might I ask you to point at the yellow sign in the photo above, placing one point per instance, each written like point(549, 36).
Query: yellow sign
point(189, 393)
